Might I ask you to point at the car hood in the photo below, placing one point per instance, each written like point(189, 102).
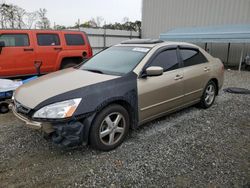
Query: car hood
point(45, 87)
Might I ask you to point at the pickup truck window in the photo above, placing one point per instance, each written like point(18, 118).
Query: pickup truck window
point(74, 39)
point(15, 40)
point(48, 39)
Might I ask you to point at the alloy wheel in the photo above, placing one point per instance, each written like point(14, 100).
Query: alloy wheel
point(112, 128)
point(210, 94)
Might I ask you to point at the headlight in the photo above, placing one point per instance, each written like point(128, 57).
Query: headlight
point(62, 109)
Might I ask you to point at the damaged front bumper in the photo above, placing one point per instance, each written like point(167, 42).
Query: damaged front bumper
point(65, 134)
point(45, 127)
point(29, 122)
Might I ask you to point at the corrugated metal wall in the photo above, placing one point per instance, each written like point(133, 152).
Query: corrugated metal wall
point(159, 16)
point(102, 38)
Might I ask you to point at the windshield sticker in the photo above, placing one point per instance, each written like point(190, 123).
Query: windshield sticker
point(144, 50)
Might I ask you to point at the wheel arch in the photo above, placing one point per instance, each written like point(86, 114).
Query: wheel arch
point(120, 101)
point(124, 103)
point(65, 60)
point(216, 84)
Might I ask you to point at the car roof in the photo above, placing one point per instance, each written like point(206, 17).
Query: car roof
point(150, 43)
point(39, 30)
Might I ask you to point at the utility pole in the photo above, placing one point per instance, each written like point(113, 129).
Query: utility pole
point(78, 24)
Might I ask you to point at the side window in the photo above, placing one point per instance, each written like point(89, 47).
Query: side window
point(48, 40)
point(167, 60)
point(192, 57)
point(15, 40)
point(74, 39)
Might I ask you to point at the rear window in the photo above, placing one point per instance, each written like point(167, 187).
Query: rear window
point(15, 40)
point(48, 40)
point(192, 57)
point(74, 39)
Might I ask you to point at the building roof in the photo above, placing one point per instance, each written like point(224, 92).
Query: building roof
point(214, 34)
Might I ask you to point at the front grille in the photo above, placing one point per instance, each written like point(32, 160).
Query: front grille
point(21, 108)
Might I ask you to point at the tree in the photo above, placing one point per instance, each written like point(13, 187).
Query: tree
point(60, 27)
point(12, 16)
point(4, 15)
point(85, 24)
point(137, 25)
point(130, 26)
point(30, 19)
point(43, 22)
point(20, 14)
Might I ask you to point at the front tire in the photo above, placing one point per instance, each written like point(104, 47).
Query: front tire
point(110, 128)
point(209, 95)
point(4, 108)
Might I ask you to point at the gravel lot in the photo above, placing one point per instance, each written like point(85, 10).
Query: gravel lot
point(190, 148)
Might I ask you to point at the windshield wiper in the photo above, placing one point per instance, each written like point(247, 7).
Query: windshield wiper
point(94, 70)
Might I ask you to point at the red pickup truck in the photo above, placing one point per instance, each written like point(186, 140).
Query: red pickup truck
point(21, 51)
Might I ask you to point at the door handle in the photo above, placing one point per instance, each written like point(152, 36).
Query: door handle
point(178, 77)
point(57, 48)
point(206, 69)
point(28, 49)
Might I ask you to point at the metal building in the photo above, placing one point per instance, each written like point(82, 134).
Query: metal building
point(160, 16)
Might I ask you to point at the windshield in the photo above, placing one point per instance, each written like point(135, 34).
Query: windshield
point(115, 60)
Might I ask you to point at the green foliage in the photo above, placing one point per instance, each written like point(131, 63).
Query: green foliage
point(130, 26)
point(15, 17)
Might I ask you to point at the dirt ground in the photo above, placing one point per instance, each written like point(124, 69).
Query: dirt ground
point(190, 148)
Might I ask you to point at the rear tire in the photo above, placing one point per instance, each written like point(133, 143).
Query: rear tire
point(110, 127)
point(68, 64)
point(209, 95)
point(247, 67)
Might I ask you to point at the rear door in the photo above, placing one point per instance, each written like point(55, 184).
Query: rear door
point(196, 70)
point(17, 57)
point(48, 47)
point(78, 43)
point(160, 94)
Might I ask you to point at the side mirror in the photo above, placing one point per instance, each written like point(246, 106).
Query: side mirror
point(154, 71)
point(2, 44)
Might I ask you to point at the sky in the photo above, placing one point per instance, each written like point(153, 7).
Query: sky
point(67, 12)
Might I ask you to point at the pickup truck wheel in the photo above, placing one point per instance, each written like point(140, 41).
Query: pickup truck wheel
point(68, 64)
point(4, 108)
point(110, 128)
point(209, 95)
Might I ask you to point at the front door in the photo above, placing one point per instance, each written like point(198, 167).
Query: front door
point(17, 57)
point(160, 94)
